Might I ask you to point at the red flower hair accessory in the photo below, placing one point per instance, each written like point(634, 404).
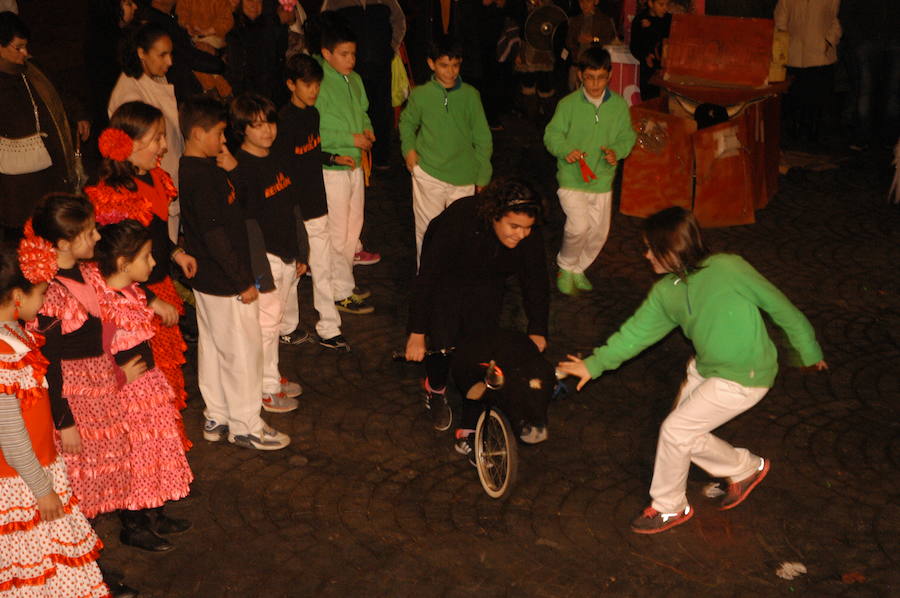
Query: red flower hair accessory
point(37, 257)
point(115, 144)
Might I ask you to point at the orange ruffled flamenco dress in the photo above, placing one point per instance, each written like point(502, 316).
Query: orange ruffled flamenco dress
point(40, 558)
point(144, 204)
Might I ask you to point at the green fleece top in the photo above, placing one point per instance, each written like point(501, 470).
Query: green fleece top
point(449, 131)
point(342, 106)
point(578, 124)
point(717, 307)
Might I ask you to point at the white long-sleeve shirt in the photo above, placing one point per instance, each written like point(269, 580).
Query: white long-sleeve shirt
point(814, 30)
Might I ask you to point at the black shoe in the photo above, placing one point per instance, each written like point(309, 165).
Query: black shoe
point(335, 342)
point(168, 526)
point(297, 337)
point(137, 532)
point(441, 414)
point(145, 539)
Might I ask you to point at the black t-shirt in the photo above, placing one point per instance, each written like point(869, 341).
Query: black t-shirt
point(215, 232)
point(300, 146)
point(267, 194)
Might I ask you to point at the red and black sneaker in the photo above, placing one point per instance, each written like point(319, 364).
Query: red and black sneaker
point(738, 491)
point(651, 521)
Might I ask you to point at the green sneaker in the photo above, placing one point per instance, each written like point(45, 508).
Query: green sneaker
point(565, 282)
point(581, 282)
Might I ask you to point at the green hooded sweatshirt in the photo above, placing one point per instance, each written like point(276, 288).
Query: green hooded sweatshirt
point(342, 106)
point(578, 124)
point(717, 307)
point(449, 131)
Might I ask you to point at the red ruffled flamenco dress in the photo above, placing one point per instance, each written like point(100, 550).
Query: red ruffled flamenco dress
point(149, 205)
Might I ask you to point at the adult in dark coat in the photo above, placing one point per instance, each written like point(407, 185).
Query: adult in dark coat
point(105, 29)
point(468, 253)
point(20, 83)
point(185, 57)
point(255, 51)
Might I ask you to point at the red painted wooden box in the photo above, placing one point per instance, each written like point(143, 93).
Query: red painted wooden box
point(724, 172)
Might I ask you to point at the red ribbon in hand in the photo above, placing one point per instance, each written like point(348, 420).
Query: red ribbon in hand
point(586, 173)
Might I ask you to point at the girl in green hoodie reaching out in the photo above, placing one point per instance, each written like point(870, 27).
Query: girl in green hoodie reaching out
point(716, 300)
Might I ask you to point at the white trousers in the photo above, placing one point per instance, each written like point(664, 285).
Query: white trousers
point(587, 227)
point(345, 192)
point(703, 405)
point(432, 196)
point(271, 311)
point(320, 262)
point(229, 362)
point(290, 319)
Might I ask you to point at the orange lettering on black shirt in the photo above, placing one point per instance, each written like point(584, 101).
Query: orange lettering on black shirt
point(311, 143)
point(282, 182)
point(230, 192)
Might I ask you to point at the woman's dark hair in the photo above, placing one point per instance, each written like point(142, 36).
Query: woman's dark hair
point(122, 239)
point(12, 26)
point(11, 276)
point(246, 109)
point(504, 195)
point(673, 236)
point(304, 68)
point(143, 37)
point(135, 119)
point(61, 216)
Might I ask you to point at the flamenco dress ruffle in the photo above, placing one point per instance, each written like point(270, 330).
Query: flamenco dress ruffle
point(159, 469)
point(46, 559)
point(168, 348)
point(99, 474)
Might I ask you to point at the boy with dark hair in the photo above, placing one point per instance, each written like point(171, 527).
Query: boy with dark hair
point(299, 146)
point(264, 190)
point(229, 363)
point(444, 138)
point(589, 132)
point(346, 130)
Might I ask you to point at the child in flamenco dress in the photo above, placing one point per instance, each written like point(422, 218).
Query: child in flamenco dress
point(100, 433)
point(132, 185)
point(47, 546)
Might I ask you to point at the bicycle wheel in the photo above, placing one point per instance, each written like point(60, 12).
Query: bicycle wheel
point(496, 453)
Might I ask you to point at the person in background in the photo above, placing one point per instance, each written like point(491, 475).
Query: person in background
point(30, 103)
point(591, 27)
point(208, 22)
point(648, 30)
point(108, 22)
point(255, 51)
point(814, 32)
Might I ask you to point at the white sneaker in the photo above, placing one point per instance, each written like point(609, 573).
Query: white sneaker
point(291, 389)
point(533, 434)
point(269, 439)
point(278, 402)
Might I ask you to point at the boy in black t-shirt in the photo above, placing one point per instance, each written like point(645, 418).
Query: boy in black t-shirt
point(299, 146)
point(229, 363)
point(265, 191)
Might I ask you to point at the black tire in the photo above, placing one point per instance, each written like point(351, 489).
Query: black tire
point(496, 453)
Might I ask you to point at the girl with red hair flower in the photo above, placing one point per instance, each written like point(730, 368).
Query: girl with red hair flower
point(46, 543)
point(132, 186)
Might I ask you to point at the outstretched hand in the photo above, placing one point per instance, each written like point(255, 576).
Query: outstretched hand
point(575, 367)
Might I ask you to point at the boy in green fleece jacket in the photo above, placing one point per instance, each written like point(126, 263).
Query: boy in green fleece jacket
point(444, 138)
point(589, 133)
point(716, 300)
point(345, 130)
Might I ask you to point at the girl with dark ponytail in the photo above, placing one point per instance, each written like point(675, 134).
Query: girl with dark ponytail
point(132, 186)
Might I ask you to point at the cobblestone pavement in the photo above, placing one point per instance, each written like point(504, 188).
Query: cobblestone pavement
point(368, 501)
